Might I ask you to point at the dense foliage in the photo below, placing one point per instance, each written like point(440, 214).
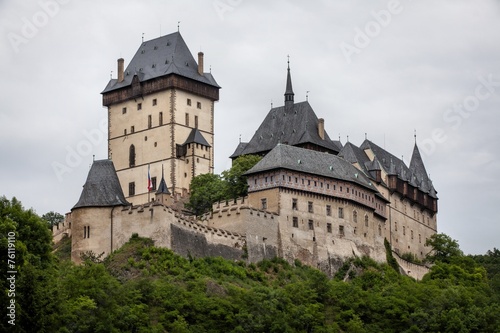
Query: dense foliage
point(209, 188)
point(142, 288)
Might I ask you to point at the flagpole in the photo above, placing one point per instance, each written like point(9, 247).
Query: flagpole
point(149, 186)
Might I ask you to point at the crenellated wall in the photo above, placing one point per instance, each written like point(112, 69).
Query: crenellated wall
point(110, 228)
point(61, 230)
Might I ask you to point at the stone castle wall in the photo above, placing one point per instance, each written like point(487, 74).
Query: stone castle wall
point(234, 230)
point(103, 230)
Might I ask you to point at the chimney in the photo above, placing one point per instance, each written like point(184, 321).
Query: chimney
point(200, 63)
point(120, 70)
point(321, 128)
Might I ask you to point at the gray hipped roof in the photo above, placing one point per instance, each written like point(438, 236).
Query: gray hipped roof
point(196, 137)
point(311, 162)
point(165, 55)
point(102, 188)
point(292, 126)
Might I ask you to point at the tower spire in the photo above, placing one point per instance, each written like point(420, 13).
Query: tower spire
point(288, 91)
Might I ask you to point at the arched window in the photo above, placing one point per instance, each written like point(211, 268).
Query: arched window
point(131, 157)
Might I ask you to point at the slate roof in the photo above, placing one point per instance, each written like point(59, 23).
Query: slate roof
point(163, 188)
point(196, 137)
point(238, 152)
point(311, 162)
point(418, 170)
point(102, 188)
point(415, 175)
point(162, 56)
point(292, 126)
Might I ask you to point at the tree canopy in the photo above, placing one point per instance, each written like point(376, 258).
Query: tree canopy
point(209, 188)
point(143, 288)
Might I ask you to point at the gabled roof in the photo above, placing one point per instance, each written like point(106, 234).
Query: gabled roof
point(387, 160)
point(415, 175)
point(162, 56)
point(297, 125)
point(102, 188)
point(311, 162)
point(196, 137)
point(353, 154)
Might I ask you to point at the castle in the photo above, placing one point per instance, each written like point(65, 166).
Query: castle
point(309, 198)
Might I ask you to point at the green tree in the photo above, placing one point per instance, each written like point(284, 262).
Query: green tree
point(205, 190)
point(53, 218)
point(443, 248)
point(234, 177)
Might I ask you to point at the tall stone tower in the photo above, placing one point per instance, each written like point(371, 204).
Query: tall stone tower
point(161, 115)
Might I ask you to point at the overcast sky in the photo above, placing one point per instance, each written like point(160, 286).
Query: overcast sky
point(385, 68)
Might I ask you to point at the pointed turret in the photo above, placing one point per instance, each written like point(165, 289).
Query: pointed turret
point(417, 165)
point(163, 195)
point(418, 169)
point(288, 91)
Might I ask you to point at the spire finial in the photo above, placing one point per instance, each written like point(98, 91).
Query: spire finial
point(307, 95)
point(415, 135)
point(178, 26)
point(111, 75)
point(240, 138)
point(288, 91)
point(366, 136)
point(347, 138)
point(143, 37)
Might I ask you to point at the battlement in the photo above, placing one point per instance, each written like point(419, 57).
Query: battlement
point(229, 207)
point(63, 229)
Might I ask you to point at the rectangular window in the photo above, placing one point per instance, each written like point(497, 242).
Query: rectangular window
point(311, 224)
point(160, 120)
point(198, 105)
point(196, 121)
point(310, 207)
point(295, 222)
point(125, 131)
point(124, 110)
point(329, 228)
point(341, 230)
point(411, 234)
point(341, 212)
point(263, 203)
point(189, 101)
point(139, 106)
point(404, 230)
point(328, 210)
point(150, 121)
point(294, 204)
point(153, 183)
point(187, 119)
point(132, 129)
point(131, 188)
point(154, 101)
